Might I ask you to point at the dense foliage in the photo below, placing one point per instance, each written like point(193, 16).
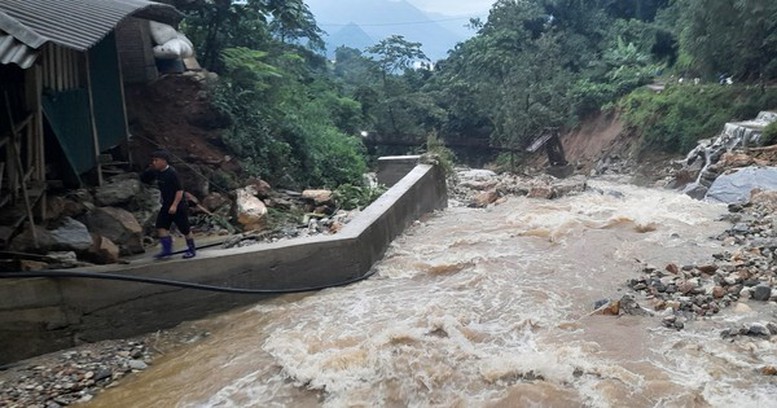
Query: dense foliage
point(733, 37)
point(672, 121)
point(291, 124)
point(300, 138)
point(533, 64)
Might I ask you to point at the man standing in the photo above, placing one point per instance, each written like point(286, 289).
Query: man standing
point(174, 208)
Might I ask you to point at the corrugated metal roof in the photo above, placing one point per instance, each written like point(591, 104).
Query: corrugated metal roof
point(13, 51)
point(75, 24)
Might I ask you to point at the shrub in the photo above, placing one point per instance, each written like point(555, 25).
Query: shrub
point(674, 120)
point(770, 134)
point(336, 158)
point(285, 130)
point(445, 156)
point(349, 196)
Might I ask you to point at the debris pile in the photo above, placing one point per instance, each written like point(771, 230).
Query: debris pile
point(746, 271)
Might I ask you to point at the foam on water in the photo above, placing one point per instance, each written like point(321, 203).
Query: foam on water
point(481, 307)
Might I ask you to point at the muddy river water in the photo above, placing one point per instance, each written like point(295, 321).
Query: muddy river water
point(483, 308)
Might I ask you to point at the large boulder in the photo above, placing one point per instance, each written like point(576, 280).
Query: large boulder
point(696, 191)
point(118, 225)
point(69, 235)
point(476, 175)
point(318, 197)
point(103, 250)
point(735, 187)
point(117, 192)
point(555, 188)
point(262, 188)
point(485, 198)
point(24, 242)
point(541, 191)
point(251, 211)
point(570, 185)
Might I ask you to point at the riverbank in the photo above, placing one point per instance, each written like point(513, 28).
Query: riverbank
point(745, 269)
point(36, 379)
point(78, 374)
point(486, 307)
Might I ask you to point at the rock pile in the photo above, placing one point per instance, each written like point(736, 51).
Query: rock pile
point(312, 224)
point(713, 157)
point(752, 329)
point(480, 188)
point(612, 164)
point(626, 305)
point(73, 376)
point(748, 271)
point(101, 225)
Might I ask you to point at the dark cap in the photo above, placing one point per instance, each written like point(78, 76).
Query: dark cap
point(161, 154)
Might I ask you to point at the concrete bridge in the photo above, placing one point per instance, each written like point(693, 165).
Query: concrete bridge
point(41, 315)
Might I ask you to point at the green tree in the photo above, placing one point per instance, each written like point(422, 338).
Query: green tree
point(400, 110)
point(516, 74)
point(292, 20)
point(214, 25)
point(737, 37)
point(395, 54)
point(290, 124)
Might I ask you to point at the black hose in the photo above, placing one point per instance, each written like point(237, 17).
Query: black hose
point(167, 282)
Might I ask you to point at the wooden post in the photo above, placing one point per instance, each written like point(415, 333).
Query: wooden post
point(38, 106)
point(40, 140)
point(9, 160)
point(20, 172)
point(95, 138)
point(30, 144)
point(123, 100)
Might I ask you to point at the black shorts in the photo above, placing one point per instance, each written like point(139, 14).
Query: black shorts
point(181, 219)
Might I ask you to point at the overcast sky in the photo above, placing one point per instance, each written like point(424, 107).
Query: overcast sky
point(454, 7)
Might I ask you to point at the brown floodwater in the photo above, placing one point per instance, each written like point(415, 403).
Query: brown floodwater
point(484, 308)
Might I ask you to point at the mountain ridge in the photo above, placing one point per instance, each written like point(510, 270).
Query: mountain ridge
point(379, 19)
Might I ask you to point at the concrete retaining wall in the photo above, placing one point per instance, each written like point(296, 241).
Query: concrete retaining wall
point(43, 315)
point(391, 169)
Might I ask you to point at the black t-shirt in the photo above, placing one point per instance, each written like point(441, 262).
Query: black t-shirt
point(168, 183)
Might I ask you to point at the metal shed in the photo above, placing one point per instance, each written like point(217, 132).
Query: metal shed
point(60, 80)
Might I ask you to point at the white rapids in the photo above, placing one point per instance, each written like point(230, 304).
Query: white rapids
point(483, 308)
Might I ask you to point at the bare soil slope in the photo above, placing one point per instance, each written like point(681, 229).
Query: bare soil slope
point(175, 113)
point(594, 138)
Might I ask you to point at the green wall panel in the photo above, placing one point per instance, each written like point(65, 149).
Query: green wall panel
point(106, 91)
point(68, 114)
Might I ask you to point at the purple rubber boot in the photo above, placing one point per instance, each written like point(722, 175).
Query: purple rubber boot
point(191, 249)
point(167, 247)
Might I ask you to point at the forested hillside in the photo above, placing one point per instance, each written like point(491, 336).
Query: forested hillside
point(532, 64)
